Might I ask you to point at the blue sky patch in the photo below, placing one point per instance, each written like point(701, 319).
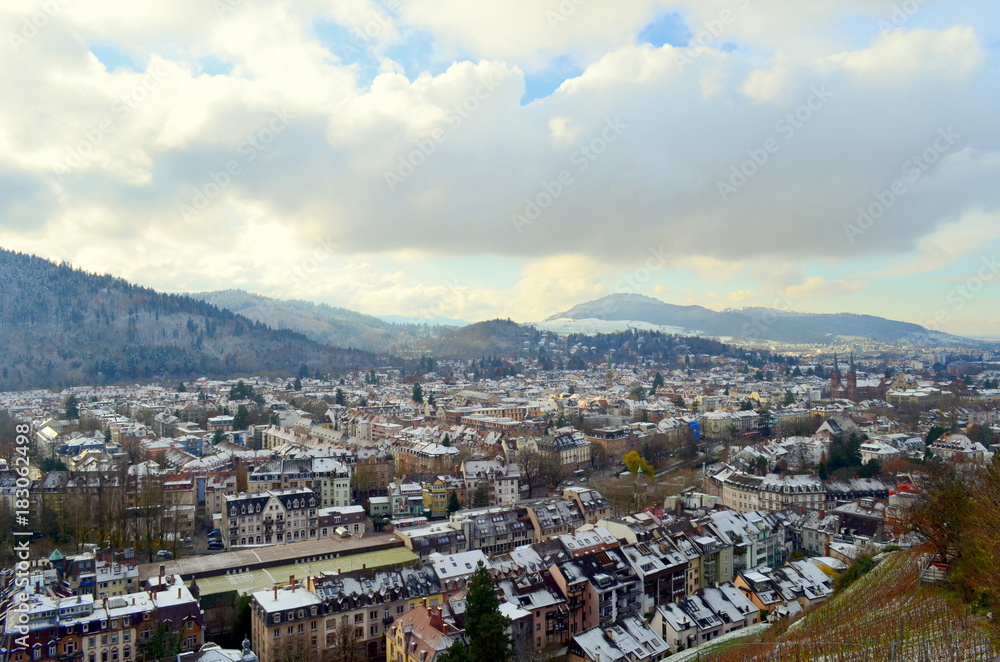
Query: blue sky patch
point(541, 84)
point(667, 28)
point(114, 58)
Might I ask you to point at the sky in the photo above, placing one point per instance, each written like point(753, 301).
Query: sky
point(513, 158)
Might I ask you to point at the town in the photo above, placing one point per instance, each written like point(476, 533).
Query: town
point(622, 512)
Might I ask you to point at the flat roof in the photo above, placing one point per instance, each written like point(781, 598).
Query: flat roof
point(211, 565)
point(265, 578)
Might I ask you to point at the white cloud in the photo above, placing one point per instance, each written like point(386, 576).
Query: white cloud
point(644, 142)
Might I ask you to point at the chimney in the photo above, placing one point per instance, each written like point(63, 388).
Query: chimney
point(436, 619)
point(178, 592)
point(275, 592)
point(291, 582)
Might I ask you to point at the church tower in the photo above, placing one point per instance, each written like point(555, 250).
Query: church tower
point(852, 380)
point(835, 378)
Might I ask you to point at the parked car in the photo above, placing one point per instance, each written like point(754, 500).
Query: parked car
point(164, 555)
point(216, 545)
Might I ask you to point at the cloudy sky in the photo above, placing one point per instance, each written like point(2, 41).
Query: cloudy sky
point(515, 157)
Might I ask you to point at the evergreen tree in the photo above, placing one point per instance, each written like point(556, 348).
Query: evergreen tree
point(297, 384)
point(339, 398)
point(486, 627)
point(457, 652)
point(240, 419)
point(480, 497)
point(454, 504)
point(657, 383)
point(72, 407)
point(418, 393)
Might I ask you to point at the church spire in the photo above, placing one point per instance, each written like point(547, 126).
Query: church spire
point(852, 360)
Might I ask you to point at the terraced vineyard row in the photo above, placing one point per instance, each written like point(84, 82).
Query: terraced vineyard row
point(883, 617)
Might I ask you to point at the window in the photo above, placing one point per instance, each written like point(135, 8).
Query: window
point(291, 630)
point(276, 633)
point(312, 625)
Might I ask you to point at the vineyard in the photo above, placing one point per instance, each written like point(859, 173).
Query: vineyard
point(883, 617)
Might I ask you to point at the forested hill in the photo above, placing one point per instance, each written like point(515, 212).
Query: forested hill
point(61, 326)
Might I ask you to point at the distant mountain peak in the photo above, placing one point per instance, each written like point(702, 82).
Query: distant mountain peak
point(751, 323)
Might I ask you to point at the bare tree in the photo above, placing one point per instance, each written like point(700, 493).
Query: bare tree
point(532, 465)
point(346, 646)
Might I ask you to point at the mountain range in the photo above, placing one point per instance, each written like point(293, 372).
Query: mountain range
point(62, 326)
point(326, 324)
point(768, 324)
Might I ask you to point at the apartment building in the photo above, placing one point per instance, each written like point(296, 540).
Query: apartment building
point(269, 518)
point(301, 618)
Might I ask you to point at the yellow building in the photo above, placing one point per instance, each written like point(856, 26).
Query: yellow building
point(436, 498)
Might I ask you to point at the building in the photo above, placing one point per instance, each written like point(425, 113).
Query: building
point(615, 441)
point(340, 521)
point(420, 635)
point(270, 518)
point(704, 616)
point(114, 629)
point(569, 447)
point(592, 503)
point(327, 477)
point(496, 481)
point(360, 605)
point(552, 517)
point(958, 448)
point(628, 640)
point(852, 388)
point(779, 492)
point(495, 530)
point(435, 496)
